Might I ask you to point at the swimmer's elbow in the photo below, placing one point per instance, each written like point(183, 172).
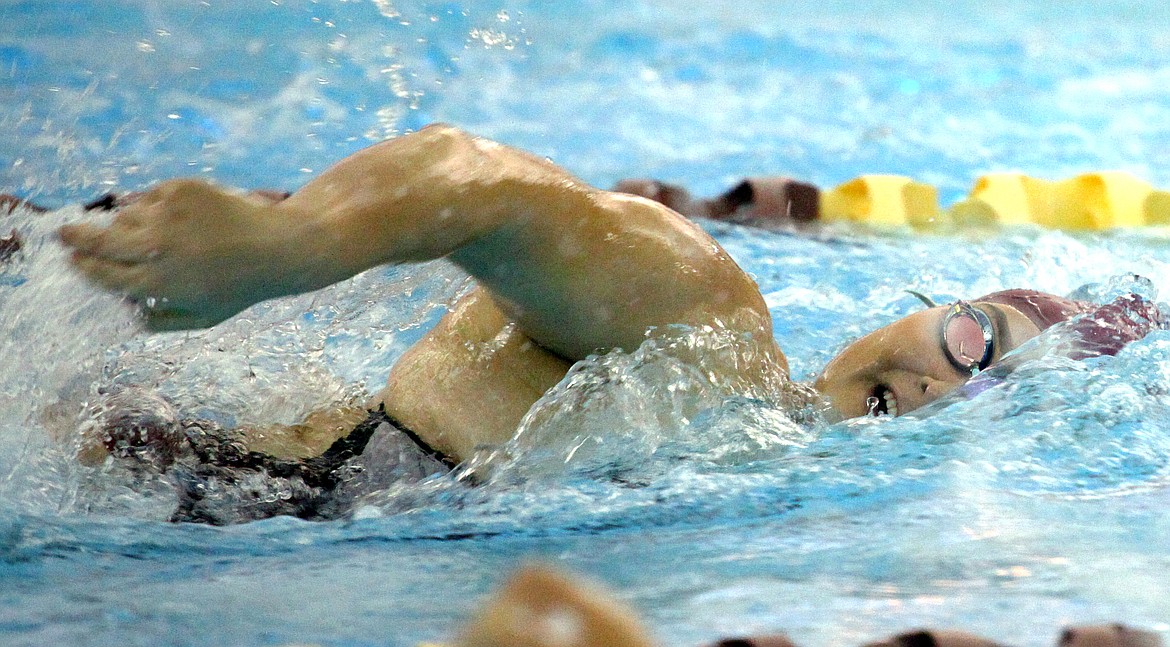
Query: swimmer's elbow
point(443, 132)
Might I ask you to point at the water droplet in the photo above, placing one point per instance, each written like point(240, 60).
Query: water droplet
point(386, 8)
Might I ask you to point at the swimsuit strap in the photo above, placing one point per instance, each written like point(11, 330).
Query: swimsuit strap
point(265, 486)
point(355, 443)
point(214, 447)
point(379, 416)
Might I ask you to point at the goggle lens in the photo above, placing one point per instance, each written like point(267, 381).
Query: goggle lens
point(967, 338)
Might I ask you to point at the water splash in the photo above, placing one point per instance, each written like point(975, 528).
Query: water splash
point(1042, 501)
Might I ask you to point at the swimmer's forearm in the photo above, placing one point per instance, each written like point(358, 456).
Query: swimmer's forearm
point(420, 197)
point(196, 254)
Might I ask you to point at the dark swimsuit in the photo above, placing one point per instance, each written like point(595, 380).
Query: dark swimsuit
point(228, 484)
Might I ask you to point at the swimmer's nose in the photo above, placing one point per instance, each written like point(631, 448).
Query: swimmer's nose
point(929, 387)
point(933, 389)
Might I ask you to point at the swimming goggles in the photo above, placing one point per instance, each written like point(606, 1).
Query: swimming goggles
point(967, 337)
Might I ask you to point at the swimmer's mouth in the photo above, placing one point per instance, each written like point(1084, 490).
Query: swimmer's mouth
point(882, 402)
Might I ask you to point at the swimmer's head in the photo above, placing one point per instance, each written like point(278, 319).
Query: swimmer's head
point(923, 356)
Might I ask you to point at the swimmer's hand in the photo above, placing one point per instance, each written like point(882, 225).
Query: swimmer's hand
point(190, 253)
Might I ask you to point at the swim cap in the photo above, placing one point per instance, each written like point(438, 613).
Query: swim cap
point(1045, 310)
point(1126, 319)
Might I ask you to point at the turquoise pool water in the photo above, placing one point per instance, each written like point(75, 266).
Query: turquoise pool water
point(1033, 505)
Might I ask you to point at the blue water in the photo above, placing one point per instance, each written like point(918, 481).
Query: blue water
point(1036, 504)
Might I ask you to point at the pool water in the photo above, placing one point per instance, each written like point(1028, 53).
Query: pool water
point(1035, 504)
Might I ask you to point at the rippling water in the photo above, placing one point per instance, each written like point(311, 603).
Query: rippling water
point(1037, 503)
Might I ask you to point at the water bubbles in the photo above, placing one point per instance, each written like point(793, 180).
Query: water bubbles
point(386, 8)
point(492, 37)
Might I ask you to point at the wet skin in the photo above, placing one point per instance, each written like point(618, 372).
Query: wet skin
point(901, 367)
point(564, 271)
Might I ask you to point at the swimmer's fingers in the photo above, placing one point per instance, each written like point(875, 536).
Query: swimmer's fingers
point(84, 237)
point(133, 279)
point(125, 241)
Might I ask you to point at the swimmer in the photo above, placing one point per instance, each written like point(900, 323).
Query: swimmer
point(563, 271)
point(758, 200)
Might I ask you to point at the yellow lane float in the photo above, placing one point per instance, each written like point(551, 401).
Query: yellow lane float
point(883, 200)
point(1093, 201)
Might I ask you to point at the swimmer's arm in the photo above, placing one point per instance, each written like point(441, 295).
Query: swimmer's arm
point(577, 268)
point(197, 254)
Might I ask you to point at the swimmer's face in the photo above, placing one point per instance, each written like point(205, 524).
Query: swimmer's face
point(904, 366)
